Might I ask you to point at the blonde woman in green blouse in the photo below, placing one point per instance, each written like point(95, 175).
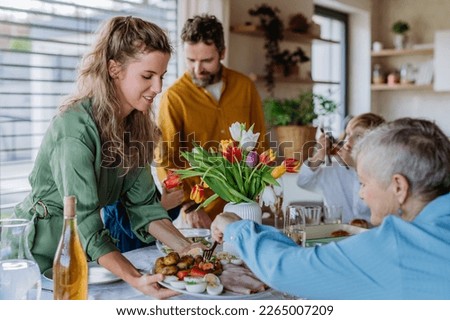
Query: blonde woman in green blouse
point(97, 147)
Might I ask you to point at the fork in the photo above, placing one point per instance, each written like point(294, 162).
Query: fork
point(207, 254)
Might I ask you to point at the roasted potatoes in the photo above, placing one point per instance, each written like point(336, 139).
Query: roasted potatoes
point(185, 262)
point(167, 270)
point(172, 258)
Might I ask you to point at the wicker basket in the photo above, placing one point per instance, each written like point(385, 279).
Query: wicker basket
point(296, 141)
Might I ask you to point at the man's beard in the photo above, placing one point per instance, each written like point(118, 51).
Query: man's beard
point(204, 82)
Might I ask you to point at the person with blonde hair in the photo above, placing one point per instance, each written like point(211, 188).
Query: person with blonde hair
point(98, 148)
point(404, 169)
point(337, 180)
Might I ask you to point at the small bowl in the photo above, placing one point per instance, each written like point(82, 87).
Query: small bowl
point(169, 279)
point(178, 284)
point(193, 279)
point(198, 287)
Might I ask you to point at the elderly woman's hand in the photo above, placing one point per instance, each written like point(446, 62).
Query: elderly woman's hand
point(220, 223)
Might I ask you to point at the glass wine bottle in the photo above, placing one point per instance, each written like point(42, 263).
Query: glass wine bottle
point(70, 270)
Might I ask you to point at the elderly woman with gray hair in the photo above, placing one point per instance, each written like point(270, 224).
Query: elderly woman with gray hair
point(404, 169)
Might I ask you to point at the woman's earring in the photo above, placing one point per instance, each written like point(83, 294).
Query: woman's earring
point(400, 212)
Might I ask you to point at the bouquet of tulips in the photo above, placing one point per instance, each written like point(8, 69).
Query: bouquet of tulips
point(236, 173)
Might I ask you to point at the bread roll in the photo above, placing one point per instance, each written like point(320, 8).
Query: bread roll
point(360, 223)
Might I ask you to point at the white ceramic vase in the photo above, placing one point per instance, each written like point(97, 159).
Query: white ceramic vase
point(245, 210)
point(400, 41)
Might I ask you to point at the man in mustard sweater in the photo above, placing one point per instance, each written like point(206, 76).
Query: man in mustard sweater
point(202, 104)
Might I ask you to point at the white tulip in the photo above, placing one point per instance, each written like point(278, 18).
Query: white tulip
point(248, 140)
point(268, 196)
point(236, 131)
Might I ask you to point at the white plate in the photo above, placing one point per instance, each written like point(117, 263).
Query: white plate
point(325, 230)
point(193, 234)
point(96, 274)
point(224, 295)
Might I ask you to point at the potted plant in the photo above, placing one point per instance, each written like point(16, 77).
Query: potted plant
point(273, 28)
point(292, 121)
point(400, 28)
point(298, 23)
point(287, 62)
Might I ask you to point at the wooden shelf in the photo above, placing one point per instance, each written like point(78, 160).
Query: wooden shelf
point(296, 80)
point(288, 35)
point(386, 87)
point(404, 52)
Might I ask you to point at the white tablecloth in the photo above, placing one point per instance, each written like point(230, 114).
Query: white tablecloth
point(142, 259)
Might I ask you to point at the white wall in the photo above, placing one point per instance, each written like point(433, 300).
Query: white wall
point(425, 18)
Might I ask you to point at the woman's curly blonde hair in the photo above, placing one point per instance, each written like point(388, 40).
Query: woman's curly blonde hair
point(120, 39)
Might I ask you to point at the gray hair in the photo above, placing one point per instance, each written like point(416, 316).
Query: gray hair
point(415, 148)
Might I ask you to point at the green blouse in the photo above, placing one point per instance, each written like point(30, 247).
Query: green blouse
point(69, 162)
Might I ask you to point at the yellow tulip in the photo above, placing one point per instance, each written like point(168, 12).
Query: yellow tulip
point(278, 171)
point(204, 184)
point(197, 193)
point(225, 143)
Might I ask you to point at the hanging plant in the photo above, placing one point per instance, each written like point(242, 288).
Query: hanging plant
point(273, 28)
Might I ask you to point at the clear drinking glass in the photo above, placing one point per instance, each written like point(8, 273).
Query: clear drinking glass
point(20, 278)
point(294, 225)
point(332, 214)
point(313, 215)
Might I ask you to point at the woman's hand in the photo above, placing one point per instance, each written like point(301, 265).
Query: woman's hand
point(220, 223)
point(196, 218)
point(171, 198)
point(193, 249)
point(148, 284)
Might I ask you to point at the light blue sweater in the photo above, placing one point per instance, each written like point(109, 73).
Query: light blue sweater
point(397, 260)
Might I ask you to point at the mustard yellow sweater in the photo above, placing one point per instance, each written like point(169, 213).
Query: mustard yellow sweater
point(189, 113)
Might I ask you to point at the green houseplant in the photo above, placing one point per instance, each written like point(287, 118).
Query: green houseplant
point(300, 110)
point(292, 121)
point(400, 27)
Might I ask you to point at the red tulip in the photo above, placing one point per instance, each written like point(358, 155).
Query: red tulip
point(267, 157)
point(233, 154)
point(173, 180)
point(292, 165)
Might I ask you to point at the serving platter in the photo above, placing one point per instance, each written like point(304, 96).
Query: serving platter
point(193, 234)
point(96, 274)
point(228, 295)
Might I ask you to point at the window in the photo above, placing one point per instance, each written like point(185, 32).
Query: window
point(41, 43)
point(329, 64)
